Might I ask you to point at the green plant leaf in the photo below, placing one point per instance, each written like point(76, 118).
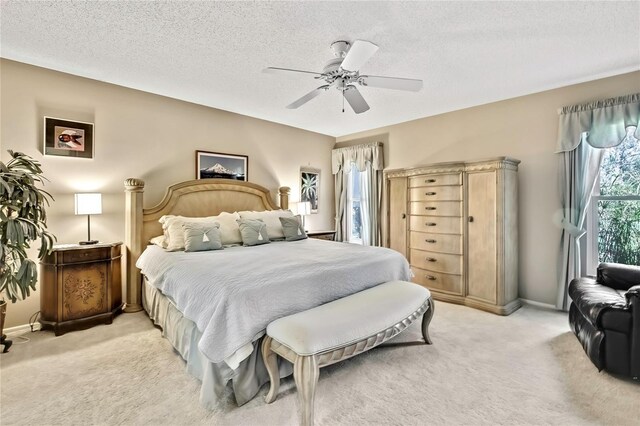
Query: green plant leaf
point(22, 221)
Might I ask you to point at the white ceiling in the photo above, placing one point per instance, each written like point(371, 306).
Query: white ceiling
point(212, 53)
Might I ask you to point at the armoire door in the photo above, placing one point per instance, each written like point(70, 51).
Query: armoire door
point(481, 236)
point(398, 215)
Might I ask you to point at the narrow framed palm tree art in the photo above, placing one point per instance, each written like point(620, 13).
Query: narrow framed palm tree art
point(310, 187)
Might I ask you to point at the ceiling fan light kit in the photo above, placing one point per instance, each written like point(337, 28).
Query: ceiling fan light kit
point(343, 73)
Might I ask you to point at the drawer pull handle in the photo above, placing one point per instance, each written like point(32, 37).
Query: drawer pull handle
point(429, 208)
point(431, 259)
point(430, 224)
point(431, 277)
point(430, 181)
point(431, 241)
point(430, 193)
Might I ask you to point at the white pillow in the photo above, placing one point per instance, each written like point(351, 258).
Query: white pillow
point(271, 218)
point(172, 225)
point(159, 241)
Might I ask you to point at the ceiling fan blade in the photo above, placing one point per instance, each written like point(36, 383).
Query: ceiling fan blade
point(306, 98)
point(410, 84)
point(276, 70)
point(358, 55)
point(355, 99)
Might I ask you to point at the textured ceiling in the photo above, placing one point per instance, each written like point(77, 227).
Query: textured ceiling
point(212, 53)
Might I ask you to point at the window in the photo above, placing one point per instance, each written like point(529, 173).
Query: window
point(354, 210)
point(614, 216)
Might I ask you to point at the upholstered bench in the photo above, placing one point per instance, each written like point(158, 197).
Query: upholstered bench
point(339, 330)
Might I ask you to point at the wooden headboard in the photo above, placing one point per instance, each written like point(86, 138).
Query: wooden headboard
point(193, 198)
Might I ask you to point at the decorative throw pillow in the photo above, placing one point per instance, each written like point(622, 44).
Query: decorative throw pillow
point(174, 234)
point(201, 237)
point(270, 218)
point(253, 231)
point(292, 227)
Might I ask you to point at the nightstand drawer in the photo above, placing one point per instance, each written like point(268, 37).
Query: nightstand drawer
point(86, 255)
point(322, 235)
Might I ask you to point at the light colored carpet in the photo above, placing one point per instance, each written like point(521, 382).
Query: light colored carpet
point(482, 369)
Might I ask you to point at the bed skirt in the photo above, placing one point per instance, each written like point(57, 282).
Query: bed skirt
point(218, 379)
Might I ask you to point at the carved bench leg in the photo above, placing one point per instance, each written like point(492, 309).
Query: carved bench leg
point(271, 362)
point(305, 374)
point(426, 320)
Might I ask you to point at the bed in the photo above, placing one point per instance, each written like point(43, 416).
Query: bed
point(213, 307)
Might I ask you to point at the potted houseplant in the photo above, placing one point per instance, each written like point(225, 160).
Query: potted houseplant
point(23, 220)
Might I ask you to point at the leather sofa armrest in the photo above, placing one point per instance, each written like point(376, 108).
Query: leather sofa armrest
point(618, 276)
point(633, 301)
point(633, 291)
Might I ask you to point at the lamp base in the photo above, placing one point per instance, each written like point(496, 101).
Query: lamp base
point(86, 243)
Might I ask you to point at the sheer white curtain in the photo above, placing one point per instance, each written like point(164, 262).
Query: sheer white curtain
point(584, 132)
point(366, 159)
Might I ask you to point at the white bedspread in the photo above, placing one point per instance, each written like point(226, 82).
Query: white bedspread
point(233, 294)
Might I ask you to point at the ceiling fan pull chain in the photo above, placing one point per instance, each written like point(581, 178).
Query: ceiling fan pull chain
point(343, 101)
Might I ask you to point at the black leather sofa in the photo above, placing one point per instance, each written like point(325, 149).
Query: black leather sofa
point(605, 316)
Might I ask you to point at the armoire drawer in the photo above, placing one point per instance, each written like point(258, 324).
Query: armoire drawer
point(436, 224)
point(436, 180)
point(440, 193)
point(436, 208)
point(438, 281)
point(439, 262)
point(440, 243)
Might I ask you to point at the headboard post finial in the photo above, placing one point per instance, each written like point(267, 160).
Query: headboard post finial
point(134, 189)
point(284, 197)
point(133, 184)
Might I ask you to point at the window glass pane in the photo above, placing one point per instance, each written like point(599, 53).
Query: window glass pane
point(355, 183)
point(619, 231)
point(620, 169)
point(356, 222)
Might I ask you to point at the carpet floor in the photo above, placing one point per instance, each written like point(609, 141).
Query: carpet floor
point(527, 368)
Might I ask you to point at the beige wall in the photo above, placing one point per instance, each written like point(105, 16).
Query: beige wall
point(524, 128)
point(141, 135)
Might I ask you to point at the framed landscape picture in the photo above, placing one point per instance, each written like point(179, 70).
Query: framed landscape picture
point(66, 138)
point(216, 165)
point(310, 187)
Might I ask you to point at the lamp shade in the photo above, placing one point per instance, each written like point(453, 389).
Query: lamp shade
point(304, 208)
point(89, 203)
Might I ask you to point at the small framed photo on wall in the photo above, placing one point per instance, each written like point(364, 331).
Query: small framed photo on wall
point(66, 138)
point(216, 165)
point(310, 187)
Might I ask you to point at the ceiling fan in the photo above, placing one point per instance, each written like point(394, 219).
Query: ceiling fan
point(343, 73)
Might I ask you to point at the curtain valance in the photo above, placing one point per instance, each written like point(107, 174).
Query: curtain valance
point(601, 124)
point(343, 158)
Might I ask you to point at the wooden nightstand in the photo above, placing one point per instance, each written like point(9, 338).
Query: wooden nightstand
point(80, 286)
point(322, 235)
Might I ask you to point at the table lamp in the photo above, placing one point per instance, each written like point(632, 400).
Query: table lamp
point(304, 209)
point(88, 203)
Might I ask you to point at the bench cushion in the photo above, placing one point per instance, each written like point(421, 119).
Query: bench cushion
point(350, 319)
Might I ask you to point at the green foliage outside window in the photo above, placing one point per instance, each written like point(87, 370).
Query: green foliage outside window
point(619, 220)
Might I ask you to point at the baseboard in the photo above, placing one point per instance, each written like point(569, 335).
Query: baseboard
point(539, 304)
point(19, 329)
